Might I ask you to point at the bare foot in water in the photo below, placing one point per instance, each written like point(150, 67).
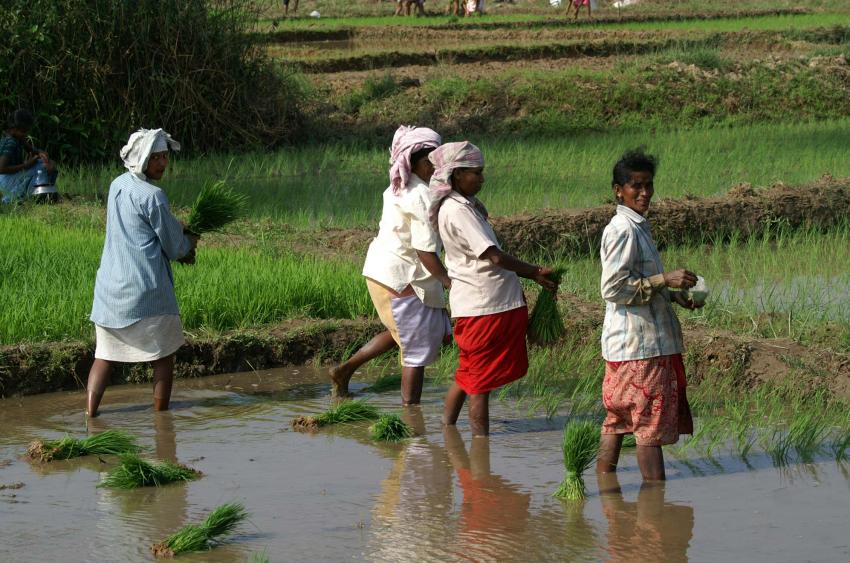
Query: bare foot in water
point(340, 376)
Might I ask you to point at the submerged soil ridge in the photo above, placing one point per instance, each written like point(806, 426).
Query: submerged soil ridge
point(28, 369)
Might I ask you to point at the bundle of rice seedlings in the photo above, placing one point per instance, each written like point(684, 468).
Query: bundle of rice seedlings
point(110, 442)
point(216, 206)
point(581, 444)
point(136, 472)
point(390, 428)
point(199, 537)
point(343, 412)
point(545, 324)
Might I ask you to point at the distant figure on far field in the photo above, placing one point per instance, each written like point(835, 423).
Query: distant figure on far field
point(577, 4)
point(407, 5)
point(286, 7)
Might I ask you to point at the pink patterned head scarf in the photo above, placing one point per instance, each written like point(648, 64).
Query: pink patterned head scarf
point(445, 159)
point(406, 141)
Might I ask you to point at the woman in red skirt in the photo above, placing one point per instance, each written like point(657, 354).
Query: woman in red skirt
point(486, 297)
point(644, 386)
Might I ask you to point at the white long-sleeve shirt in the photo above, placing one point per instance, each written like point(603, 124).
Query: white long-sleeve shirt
point(639, 318)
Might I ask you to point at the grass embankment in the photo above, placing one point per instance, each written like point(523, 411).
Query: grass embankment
point(227, 288)
point(339, 186)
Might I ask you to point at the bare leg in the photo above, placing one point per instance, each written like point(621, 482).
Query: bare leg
point(609, 453)
point(479, 414)
point(412, 380)
point(341, 374)
point(96, 385)
point(651, 463)
point(163, 376)
point(454, 402)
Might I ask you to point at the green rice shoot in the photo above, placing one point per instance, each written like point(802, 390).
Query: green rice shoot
point(390, 428)
point(629, 441)
point(136, 472)
point(109, 442)
point(390, 382)
point(204, 536)
point(261, 557)
point(341, 413)
point(546, 325)
point(216, 206)
point(581, 445)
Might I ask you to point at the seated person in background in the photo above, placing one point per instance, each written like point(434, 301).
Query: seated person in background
point(21, 164)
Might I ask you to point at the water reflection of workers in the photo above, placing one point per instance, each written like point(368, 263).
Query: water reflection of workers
point(647, 530)
point(411, 515)
point(493, 509)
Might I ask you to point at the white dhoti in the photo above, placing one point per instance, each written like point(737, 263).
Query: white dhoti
point(147, 340)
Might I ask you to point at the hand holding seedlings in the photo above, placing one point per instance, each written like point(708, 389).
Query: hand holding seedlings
point(548, 278)
point(545, 324)
point(680, 279)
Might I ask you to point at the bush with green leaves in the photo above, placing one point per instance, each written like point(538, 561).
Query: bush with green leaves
point(93, 71)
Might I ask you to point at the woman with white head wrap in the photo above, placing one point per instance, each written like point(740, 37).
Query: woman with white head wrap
point(135, 309)
point(403, 272)
point(486, 297)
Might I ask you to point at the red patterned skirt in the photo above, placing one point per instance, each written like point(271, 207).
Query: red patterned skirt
point(647, 398)
point(492, 350)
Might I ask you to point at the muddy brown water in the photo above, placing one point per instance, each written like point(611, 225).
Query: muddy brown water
point(334, 495)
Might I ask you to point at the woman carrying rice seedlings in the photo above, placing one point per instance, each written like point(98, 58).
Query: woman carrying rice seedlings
point(486, 297)
point(644, 386)
point(135, 309)
point(403, 272)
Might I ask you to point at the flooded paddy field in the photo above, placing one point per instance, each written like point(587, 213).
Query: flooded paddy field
point(335, 494)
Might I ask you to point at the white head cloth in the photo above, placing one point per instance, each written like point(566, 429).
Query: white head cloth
point(406, 141)
point(445, 159)
point(141, 145)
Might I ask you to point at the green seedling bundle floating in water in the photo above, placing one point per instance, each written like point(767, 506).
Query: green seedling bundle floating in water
point(110, 442)
point(545, 325)
point(216, 206)
point(390, 428)
point(200, 537)
point(343, 412)
point(581, 445)
point(136, 472)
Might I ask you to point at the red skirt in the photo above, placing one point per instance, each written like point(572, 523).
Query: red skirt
point(647, 398)
point(492, 350)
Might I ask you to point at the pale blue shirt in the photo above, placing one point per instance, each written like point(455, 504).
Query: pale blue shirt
point(135, 281)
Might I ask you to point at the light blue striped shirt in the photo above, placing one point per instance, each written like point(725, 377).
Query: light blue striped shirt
point(639, 318)
point(135, 281)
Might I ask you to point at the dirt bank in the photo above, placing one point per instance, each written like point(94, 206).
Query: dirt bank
point(577, 232)
point(38, 368)
point(744, 210)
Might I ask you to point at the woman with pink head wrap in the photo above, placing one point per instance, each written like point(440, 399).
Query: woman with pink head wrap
point(403, 272)
point(486, 297)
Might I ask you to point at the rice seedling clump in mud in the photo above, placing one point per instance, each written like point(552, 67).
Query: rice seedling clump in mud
point(109, 442)
point(580, 446)
point(136, 472)
point(200, 537)
point(390, 428)
point(344, 412)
